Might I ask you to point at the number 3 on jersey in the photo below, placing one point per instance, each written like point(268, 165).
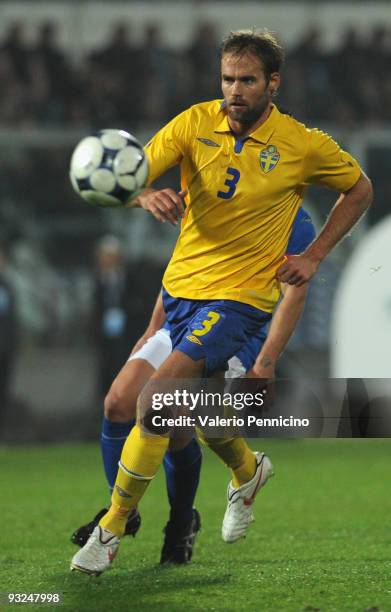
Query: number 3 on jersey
point(230, 183)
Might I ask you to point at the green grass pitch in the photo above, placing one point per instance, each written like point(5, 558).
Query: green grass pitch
point(321, 540)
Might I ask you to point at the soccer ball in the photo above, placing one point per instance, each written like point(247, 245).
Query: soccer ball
point(109, 168)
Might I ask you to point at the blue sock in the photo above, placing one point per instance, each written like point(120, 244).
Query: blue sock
point(112, 440)
point(182, 475)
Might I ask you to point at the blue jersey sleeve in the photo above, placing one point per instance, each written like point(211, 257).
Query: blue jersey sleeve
point(302, 234)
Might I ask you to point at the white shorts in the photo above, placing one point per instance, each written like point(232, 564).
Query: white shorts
point(159, 347)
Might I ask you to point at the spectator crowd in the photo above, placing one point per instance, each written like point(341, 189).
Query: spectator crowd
point(128, 84)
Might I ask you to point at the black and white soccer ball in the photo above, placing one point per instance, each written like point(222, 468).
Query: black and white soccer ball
point(109, 168)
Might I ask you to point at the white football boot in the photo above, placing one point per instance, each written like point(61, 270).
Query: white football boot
point(238, 514)
point(98, 552)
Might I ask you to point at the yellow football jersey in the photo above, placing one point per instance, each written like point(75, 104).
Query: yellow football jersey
point(242, 199)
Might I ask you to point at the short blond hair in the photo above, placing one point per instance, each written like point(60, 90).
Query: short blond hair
point(261, 43)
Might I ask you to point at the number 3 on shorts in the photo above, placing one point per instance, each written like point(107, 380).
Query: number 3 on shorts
point(230, 183)
point(207, 324)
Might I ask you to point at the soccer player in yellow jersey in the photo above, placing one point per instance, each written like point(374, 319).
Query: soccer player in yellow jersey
point(245, 168)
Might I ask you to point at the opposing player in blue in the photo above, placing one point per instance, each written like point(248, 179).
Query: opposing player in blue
point(182, 467)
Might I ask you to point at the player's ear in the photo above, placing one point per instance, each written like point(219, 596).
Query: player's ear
point(274, 82)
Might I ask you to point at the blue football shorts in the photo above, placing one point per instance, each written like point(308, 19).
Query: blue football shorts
point(213, 330)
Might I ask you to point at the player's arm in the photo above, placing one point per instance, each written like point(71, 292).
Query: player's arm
point(350, 206)
point(167, 149)
point(282, 326)
point(156, 321)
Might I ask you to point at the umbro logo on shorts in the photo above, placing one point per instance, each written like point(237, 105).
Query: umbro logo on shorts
point(194, 339)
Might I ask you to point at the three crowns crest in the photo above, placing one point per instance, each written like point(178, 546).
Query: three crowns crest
point(268, 158)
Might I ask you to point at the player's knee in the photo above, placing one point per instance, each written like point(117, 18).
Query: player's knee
point(118, 406)
point(152, 421)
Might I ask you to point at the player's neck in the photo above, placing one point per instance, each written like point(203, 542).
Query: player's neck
point(242, 130)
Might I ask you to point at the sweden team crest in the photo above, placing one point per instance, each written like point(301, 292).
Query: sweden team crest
point(268, 158)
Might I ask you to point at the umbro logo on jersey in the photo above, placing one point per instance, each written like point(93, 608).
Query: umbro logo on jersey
point(268, 158)
point(210, 143)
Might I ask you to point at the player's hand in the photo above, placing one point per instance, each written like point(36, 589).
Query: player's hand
point(164, 204)
point(297, 270)
point(261, 371)
point(264, 384)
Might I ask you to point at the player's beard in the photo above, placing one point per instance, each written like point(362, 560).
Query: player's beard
point(249, 116)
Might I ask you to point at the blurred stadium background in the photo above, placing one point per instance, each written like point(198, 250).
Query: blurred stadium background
point(68, 68)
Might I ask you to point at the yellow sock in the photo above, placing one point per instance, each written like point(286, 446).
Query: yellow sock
point(236, 454)
point(140, 460)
